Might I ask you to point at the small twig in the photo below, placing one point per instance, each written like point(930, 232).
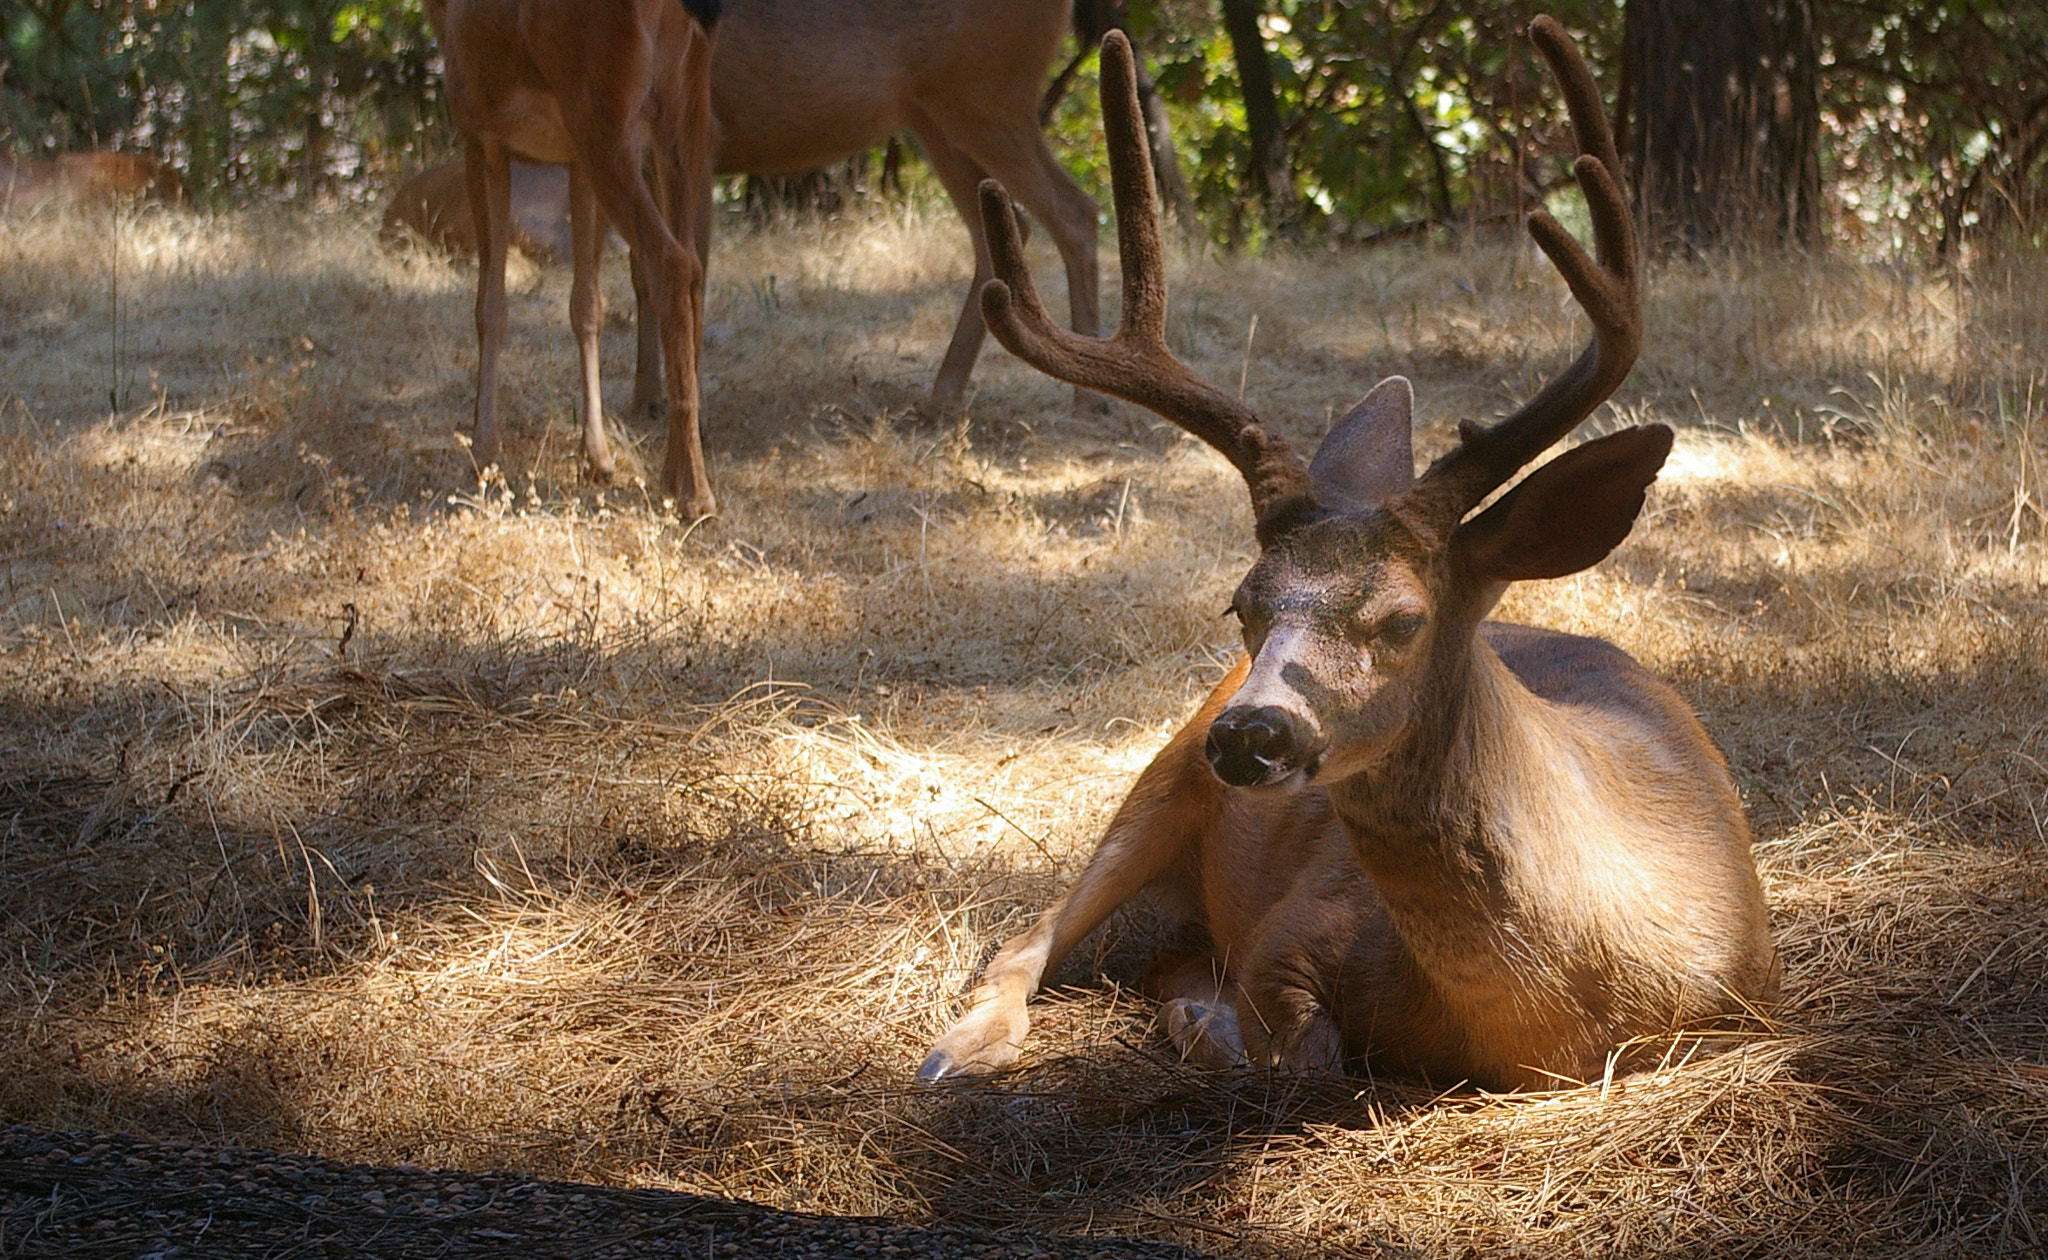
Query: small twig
point(1035, 841)
point(1245, 370)
point(348, 631)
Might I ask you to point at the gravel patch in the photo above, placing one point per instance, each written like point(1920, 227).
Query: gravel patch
point(103, 1195)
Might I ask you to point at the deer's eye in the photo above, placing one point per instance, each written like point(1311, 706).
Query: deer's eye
point(1249, 623)
point(1399, 628)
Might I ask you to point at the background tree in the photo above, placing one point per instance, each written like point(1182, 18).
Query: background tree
point(1723, 118)
point(243, 94)
point(1272, 178)
point(1882, 126)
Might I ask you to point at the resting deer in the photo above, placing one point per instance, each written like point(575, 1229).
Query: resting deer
point(1418, 839)
point(434, 203)
point(602, 88)
point(31, 183)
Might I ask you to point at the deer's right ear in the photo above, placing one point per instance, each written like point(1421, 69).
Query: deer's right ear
point(1567, 515)
point(1368, 457)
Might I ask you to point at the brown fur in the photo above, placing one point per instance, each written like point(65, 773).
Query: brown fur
point(602, 88)
point(30, 183)
point(1624, 909)
point(434, 204)
point(1467, 851)
point(799, 84)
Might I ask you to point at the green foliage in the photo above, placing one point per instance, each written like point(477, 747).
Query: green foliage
point(1398, 113)
point(1937, 105)
point(243, 94)
point(1403, 112)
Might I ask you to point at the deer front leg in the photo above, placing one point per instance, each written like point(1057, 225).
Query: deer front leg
point(990, 1035)
point(1172, 809)
point(586, 315)
point(1198, 1010)
point(1293, 967)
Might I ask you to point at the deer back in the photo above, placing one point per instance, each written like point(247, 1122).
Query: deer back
point(798, 84)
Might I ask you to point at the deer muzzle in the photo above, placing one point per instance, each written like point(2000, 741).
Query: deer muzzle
point(1263, 745)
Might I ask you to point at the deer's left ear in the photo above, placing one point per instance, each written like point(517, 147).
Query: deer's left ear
point(1368, 457)
point(1567, 515)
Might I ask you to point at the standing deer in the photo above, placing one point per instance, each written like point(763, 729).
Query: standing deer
point(602, 88)
point(800, 84)
point(1418, 839)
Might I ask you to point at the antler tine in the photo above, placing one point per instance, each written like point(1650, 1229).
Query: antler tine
point(1135, 364)
point(1607, 289)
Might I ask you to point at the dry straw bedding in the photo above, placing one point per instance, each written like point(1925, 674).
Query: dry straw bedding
point(354, 804)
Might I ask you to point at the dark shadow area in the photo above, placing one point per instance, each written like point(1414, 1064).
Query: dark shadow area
point(91, 1194)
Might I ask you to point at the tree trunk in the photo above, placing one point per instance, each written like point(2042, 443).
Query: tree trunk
point(1092, 20)
point(1270, 177)
point(1723, 122)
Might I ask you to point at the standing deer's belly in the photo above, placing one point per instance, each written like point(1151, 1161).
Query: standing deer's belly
point(794, 90)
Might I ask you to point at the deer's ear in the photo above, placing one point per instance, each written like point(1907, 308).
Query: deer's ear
point(1368, 457)
point(1568, 514)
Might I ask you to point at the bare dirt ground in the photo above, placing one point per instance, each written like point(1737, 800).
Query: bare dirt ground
point(358, 805)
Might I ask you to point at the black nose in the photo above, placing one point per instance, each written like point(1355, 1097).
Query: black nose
point(1249, 747)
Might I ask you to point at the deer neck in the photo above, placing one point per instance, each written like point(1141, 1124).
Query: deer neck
point(1458, 826)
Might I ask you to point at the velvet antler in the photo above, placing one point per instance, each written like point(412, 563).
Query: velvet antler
point(1135, 364)
point(1608, 289)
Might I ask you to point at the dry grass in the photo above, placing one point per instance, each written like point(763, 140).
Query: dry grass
point(356, 805)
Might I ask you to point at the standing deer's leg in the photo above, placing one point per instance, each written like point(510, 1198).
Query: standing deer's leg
point(649, 397)
point(489, 179)
point(672, 273)
point(685, 169)
point(586, 314)
point(1018, 158)
point(962, 181)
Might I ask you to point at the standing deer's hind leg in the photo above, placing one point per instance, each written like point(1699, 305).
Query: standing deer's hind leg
point(962, 180)
point(586, 315)
point(488, 175)
point(683, 169)
point(650, 399)
point(1019, 160)
point(672, 273)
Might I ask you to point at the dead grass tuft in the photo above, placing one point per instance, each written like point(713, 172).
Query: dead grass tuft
point(356, 803)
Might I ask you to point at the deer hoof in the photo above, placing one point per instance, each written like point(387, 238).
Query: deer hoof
point(1204, 1034)
point(984, 1041)
point(937, 1066)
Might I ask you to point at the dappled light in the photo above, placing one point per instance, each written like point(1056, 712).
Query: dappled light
point(358, 801)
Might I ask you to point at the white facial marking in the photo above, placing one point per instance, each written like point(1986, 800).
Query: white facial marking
point(1265, 686)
